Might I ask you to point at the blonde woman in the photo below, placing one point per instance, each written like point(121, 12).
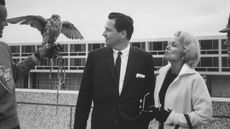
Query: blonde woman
point(181, 95)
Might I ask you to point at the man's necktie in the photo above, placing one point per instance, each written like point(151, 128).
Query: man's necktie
point(118, 66)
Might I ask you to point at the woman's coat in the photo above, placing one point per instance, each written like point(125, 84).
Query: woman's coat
point(188, 94)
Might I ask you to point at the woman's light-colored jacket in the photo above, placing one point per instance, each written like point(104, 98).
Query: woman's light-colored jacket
point(188, 94)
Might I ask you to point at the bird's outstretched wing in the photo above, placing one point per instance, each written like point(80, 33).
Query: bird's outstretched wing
point(35, 21)
point(70, 31)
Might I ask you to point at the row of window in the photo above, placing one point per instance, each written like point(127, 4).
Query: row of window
point(206, 45)
point(211, 63)
point(45, 81)
point(77, 53)
point(205, 64)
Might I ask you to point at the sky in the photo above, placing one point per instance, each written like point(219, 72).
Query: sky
point(152, 18)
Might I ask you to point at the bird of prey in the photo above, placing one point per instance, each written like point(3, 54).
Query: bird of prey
point(50, 28)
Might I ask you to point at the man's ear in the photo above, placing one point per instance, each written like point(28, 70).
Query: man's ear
point(124, 34)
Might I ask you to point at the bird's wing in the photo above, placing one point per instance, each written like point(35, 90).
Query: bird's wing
point(70, 31)
point(35, 21)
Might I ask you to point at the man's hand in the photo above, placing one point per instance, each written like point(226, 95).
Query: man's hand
point(48, 51)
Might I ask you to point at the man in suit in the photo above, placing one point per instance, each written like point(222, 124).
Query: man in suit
point(116, 83)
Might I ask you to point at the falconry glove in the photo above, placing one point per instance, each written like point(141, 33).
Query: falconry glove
point(48, 51)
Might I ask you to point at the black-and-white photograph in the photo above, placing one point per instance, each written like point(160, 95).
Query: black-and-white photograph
point(114, 64)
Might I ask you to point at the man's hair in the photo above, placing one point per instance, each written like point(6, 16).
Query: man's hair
point(2, 2)
point(191, 46)
point(122, 22)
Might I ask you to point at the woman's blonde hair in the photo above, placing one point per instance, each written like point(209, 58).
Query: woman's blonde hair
point(191, 46)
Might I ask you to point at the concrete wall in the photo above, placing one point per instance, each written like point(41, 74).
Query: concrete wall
point(37, 110)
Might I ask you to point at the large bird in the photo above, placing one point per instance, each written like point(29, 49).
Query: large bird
point(50, 28)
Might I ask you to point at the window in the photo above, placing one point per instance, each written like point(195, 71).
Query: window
point(77, 47)
point(157, 48)
point(224, 47)
point(77, 61)
point(215, 44)
point(160, 45)
point(225, 62)
point(223, 44)
point(206, 44)
point(15, 49)
point(64, 49)
point(28, 49)
point(140, 45)
point(95, 46)
point(209, 46)
point(208, 62)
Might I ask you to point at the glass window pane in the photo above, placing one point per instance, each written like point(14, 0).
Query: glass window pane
point(206, 62)
point(215, 44)
point(215, 61)
point(206, 44)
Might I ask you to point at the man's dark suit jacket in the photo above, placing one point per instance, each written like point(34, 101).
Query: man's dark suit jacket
point(111, 110)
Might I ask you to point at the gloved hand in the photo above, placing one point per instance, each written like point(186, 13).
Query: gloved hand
point(150, 113)
point(48, 51)
point(162, 115)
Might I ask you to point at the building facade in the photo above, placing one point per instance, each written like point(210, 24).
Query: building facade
point(214, 65)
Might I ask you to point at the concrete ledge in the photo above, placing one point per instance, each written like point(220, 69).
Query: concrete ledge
point(37, 110)
point(46, 96)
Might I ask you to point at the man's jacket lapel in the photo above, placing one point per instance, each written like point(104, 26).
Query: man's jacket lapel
point(130, 67)
point(110, 60)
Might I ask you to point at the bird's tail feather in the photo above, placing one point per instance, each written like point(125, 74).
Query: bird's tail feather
point(15, 20)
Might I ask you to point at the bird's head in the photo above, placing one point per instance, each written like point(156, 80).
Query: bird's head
point(55, 18)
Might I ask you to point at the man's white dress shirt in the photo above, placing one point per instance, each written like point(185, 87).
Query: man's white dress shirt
point(124, 61)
